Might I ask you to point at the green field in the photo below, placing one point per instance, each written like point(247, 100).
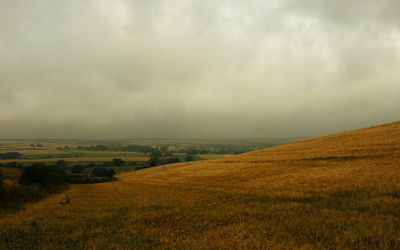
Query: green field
point(53, 151)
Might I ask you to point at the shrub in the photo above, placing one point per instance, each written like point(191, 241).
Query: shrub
point(1, 184)
point(103, 172)
point(61, 164)
point(43, 175)
point(189, 158)
point(171, 160)
point(155, 154)
point(153, 162)
point(91, 165)
point(118, 162)
point(12, 164)
point(77, 169)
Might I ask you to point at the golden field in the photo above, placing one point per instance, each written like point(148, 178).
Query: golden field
point(213, 156)
point(338, 192)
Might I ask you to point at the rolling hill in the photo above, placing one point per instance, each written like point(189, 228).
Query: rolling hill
point(337, 191)
point(366, 158)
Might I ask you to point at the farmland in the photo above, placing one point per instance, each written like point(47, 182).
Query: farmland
point(80, 159)
point(105, 151)
point(339, 192)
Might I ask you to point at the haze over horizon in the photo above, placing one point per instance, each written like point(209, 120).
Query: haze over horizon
point(197, 69)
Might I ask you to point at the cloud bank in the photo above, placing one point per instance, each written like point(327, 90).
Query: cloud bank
point(175, 68)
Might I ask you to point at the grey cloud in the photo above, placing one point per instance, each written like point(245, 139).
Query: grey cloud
point(362, 13)
point(196, 68)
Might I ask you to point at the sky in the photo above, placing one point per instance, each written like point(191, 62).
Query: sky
point(197, 69)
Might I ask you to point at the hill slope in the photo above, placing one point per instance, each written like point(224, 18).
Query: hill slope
point(338, 191)
point(366, 158)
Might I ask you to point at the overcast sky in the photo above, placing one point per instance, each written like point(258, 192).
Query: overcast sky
point(209, 68)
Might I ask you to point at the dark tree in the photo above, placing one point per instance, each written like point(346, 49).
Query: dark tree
point(12, 164)
point(103, 172)
point(11, 155)
point(171, 160)
point(118, 162)
point(167, 153)
point(189, 158)
point(77, 169)
point(43, 175)
point(155, 154)
point(2, 190)
point(61, 164)
point(91, 165)
point(1, 181)
point(154, 161)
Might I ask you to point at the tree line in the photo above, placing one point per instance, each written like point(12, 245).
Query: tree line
point(10, 155)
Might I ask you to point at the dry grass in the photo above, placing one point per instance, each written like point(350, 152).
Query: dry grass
point(10, 176)
point(338, 192)
point(213, 156)
point(361, 159)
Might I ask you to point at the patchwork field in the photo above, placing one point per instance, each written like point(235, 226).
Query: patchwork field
point(50, 152)
point(29, 145)
point(105, 153)
point(335, 192)
point(80, 159)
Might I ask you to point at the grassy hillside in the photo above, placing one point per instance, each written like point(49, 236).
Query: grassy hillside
point(337, 191)
point(362, 159)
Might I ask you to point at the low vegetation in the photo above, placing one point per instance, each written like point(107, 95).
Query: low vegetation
point(1, 184)
point(31, 184)
point(44, 175)
point(77, 169)
point(103, 172)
